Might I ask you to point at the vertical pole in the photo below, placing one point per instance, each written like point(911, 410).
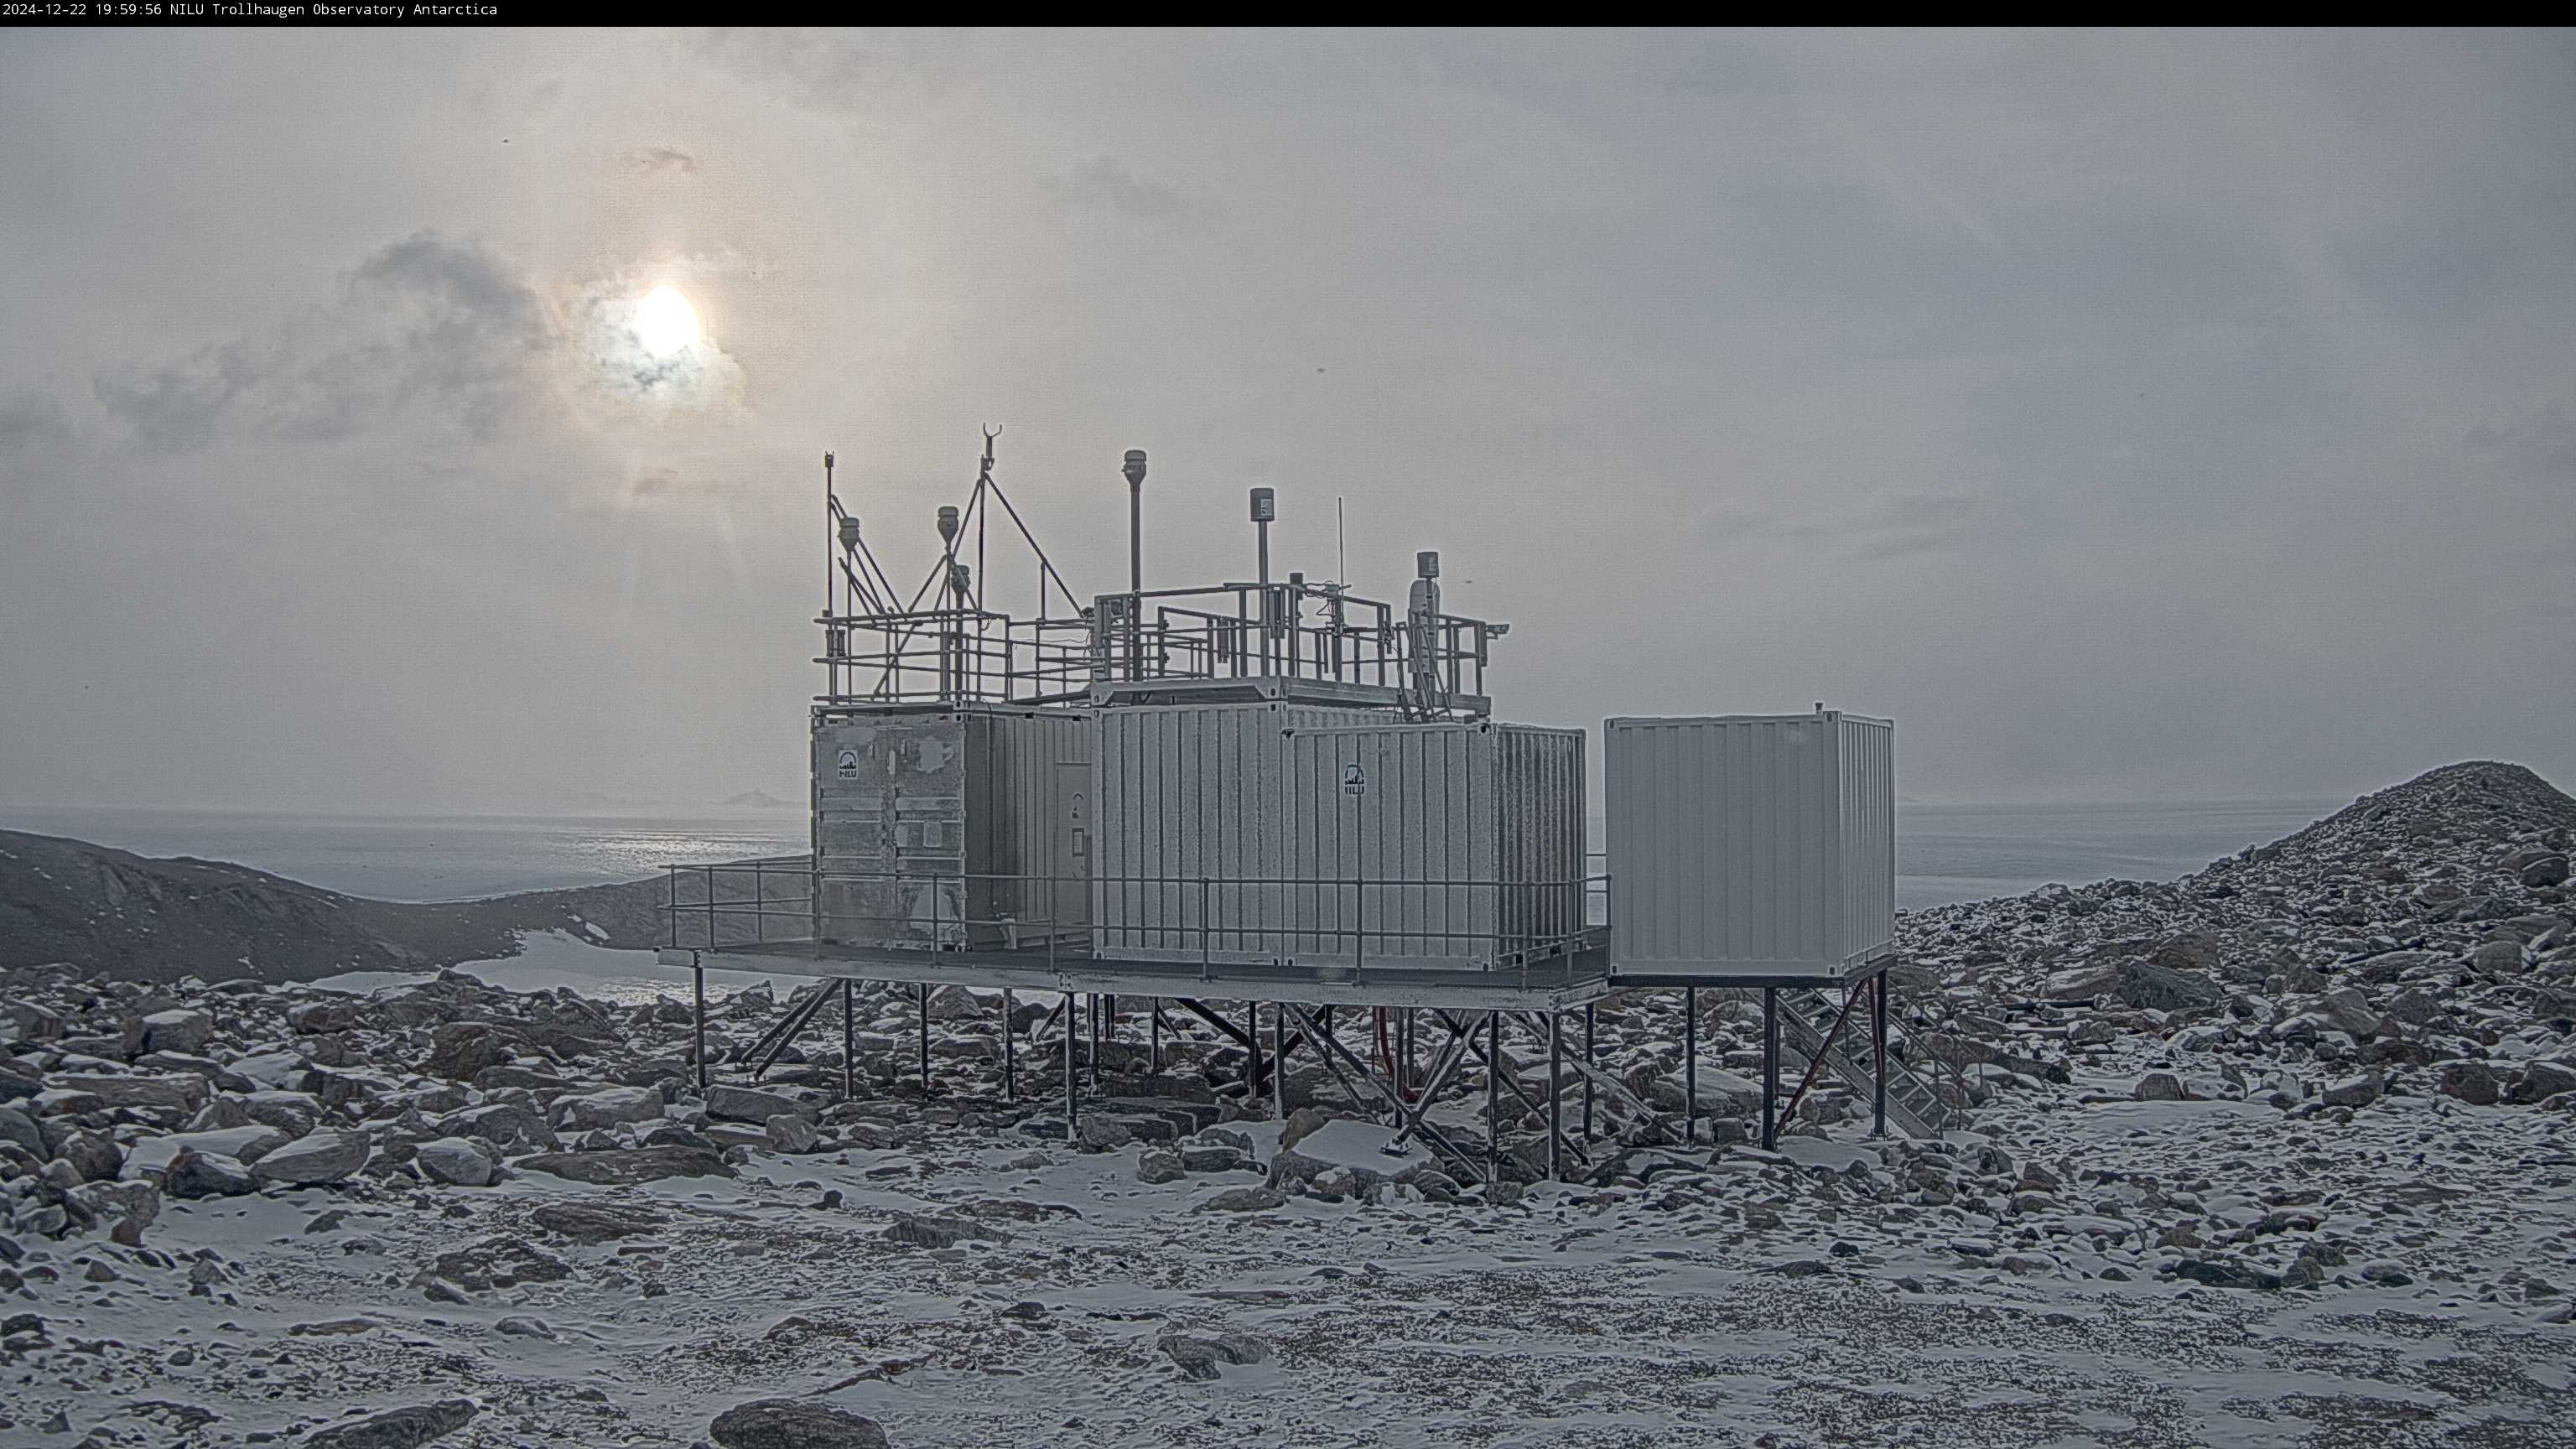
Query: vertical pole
point(1010, 1052)
point(925, 1040)
point(1770, 1066)
point(849, 1039)
point(1878, 1055)
point(1555, 1076)
point(1154, 1051)
point(1252, 1044)
point(1690, 1066)
point(698, 970)
point(1095, 1041)
point(1493, 1096)
point(1587, 1076)
point(1278, 1055)
point(1071, 1108)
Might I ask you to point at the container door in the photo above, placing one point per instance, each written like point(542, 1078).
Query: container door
point(1072, 864)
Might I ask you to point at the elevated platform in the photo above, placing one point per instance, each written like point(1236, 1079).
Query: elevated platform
point(1559, 984)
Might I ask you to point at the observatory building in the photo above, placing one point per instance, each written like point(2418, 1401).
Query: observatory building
point(1264, 800)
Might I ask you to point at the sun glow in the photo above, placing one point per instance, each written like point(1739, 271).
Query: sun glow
point(665, 323)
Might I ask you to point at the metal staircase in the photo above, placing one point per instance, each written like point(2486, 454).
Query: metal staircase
point(1914, 1106)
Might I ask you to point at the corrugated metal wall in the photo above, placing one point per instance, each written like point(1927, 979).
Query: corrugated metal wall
point(1749, 843)
point(1258, 793)
point(1016, 814)
point(1869, 836)
point(947, 793)
point(1540, 775)
point(890, 796)
point(1187, 793)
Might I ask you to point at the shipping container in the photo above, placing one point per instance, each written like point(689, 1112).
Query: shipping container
point(1751, 845)
point(951, 827)
point(1277, 832)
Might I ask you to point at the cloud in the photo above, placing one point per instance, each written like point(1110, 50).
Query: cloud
point(834, 70)
point(1104, 183)
point(2544, 442)
point(425, 328)
point(660, 160)
point(1884, 525)
point(30, 418)
point(620, 369)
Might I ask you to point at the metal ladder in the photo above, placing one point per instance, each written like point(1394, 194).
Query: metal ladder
point(1914, 1106)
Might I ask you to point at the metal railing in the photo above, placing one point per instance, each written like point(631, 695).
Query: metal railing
point(1376, 921)
point(966, 654)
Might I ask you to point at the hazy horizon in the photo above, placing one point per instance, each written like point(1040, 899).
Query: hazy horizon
point(2131, 417)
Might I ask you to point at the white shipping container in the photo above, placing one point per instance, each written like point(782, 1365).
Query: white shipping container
point(1751, 845)
point(1244, 833)
point(951, 827)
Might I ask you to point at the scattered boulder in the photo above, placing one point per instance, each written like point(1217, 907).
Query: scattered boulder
point(460, 1161)
point(593, 1223)
point(627, 1165)
point(2154, 987)
point(2472, 1082)
point(1201, 1358)
point(325, 1156)
point(178, 1030)
point(794, 1424)
point(405, 1428)
point(194, 1174)
point(791, 1133)
point(750, 1104)
point(2161, 1087)
point(614, 1107)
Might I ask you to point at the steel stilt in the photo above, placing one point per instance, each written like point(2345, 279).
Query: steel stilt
point(1770, 1067)
point(1071, 1106)
point(925, 1040)
point(1690, 1066)
point(1010, 1052)
point(698, 971)
point(1587, 1076)
point(1555, 1088)
point(849, 1039)
point(1878, 1055)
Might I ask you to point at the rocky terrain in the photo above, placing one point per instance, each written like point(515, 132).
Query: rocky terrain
point(2281, 1153)
point(139, 918)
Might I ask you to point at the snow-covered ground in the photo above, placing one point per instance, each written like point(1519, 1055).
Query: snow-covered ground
point(2324, 1194)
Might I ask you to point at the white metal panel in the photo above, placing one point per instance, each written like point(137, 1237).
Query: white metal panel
point(933, 819)
point(1750, 844)
point(1228, 831)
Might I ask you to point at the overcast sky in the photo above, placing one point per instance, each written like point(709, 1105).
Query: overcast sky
point(2129, 416)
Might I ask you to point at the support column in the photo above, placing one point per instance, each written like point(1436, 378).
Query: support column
point(1071, 1106)
point(849, 1039)
point(925, 1041)
point(1878, 1054)
point(1154, 1051)
point(1252, 1046)
point(1555, 1093)
point(1770, 1067)
point(1493, 1096)
point(1278, 1056)
point(698, 971)
point(1690, 1066)
point(1587, 1076)
point(1010, 1051)
point(1095, 1041)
